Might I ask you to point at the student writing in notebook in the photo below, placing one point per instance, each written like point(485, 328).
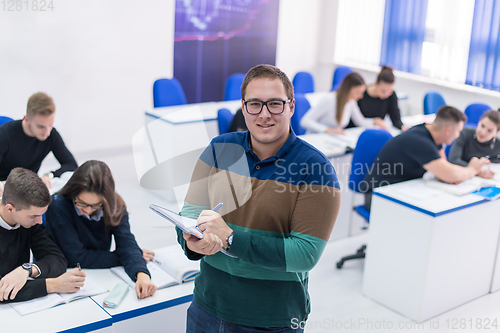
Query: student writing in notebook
point(332, 114)
point(281, 199)
point(83, 217)
point(24, 201)
point(419, 149)
point(380, 100)
point(478, 142)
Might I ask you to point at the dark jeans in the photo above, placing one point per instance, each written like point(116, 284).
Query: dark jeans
point(368, 200)
point(201, 321)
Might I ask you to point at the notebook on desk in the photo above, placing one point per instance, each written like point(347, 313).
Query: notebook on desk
point(465, 187)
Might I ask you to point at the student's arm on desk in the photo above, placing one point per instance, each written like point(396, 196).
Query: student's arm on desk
point(451, 173)
point(310, 120)
point(63, 155)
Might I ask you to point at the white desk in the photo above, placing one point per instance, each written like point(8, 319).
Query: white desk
point(163, 312)
point(495, 282)
point(83, 315)
point(429, 255)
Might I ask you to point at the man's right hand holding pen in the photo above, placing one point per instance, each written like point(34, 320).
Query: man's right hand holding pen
point(69, 282)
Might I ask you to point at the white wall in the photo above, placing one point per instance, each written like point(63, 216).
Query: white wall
point(97, 59)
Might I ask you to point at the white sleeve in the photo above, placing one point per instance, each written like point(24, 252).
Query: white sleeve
point(310, 121)
point(357, 117)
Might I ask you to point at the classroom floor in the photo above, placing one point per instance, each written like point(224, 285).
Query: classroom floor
point(337, 302)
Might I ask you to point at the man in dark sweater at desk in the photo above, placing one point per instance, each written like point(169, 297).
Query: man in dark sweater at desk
point(412, 153)
point(25, 143)
point(25, 200)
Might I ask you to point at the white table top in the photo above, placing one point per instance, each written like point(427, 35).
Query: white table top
point(133, 307)
point(418, 196)
point(82, 315)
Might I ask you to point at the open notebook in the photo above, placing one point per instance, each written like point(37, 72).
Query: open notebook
point(90, 288)
point(465, 187)
point(168, 268)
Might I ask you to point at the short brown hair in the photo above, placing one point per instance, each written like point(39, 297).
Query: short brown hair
point(269, 72)
point(494, 116)
point(24, 189)
point(95, 177)
point(40, 103)
point(448, 114)
point(386, 75)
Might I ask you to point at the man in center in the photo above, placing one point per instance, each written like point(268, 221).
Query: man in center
point(280, 200)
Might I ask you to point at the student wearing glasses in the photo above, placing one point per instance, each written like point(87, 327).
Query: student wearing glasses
point(84, 216)
point(332, 114)
point(281, 199)
point(478, 142)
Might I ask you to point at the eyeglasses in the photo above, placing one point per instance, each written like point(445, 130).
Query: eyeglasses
point(81, 204)
point(274, 107)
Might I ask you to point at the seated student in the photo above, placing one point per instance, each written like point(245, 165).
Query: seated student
point(478, 142)
point(83, 217)
point(25, 200)
point(332, 114)
point(238, 124)
point(380, 99)
point(26, 142)
point(419, 149)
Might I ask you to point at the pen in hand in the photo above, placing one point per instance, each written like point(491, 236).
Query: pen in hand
point(219, 205)
point(78, 265)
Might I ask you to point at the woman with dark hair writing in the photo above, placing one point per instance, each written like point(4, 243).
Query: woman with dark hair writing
point(380, 99)
point(84, 216)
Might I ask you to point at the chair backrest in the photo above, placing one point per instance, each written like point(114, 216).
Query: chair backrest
point(224, 119)
point(339, 75)
point(168, 92)
point(432, 102)
point(232, 91)
point(474, 112)
point(303, 83)
point(4, 120)
point(301, 107)
point(369, 144)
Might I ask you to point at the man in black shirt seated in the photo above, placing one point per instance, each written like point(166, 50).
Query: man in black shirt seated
point(25, 200)
point(419, 149)
point(26, 142)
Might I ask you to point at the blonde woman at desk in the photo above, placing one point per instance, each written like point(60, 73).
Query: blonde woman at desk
point(83, 218)
point(332, 114)
point(478, 142)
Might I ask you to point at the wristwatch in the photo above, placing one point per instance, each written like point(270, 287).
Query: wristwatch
point(27, 266)
point(229, 240)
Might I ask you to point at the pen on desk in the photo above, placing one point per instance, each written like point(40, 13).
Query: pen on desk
point(78, 265)
point(219, 205)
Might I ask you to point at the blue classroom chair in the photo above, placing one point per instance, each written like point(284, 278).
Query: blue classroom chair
point(369, 144)
point(474, 112)
point(301, 107)
point(232, 90)
point(168, 92)
point(224, 119)
point(432, 102)
point(303, 83)
point(4, 120)
point(339, 75)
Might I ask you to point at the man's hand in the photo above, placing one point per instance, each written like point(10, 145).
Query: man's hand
point(477, 164)
point(148, 255)
point(69, 282)
point(213, 223)
point(486, 174)
point(12, 283)
point(46, 181)
point(143, 286)
point(404, 128)
point(208, 245)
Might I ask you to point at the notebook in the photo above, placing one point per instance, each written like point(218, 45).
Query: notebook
point(90, 288)
point(168, 268)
